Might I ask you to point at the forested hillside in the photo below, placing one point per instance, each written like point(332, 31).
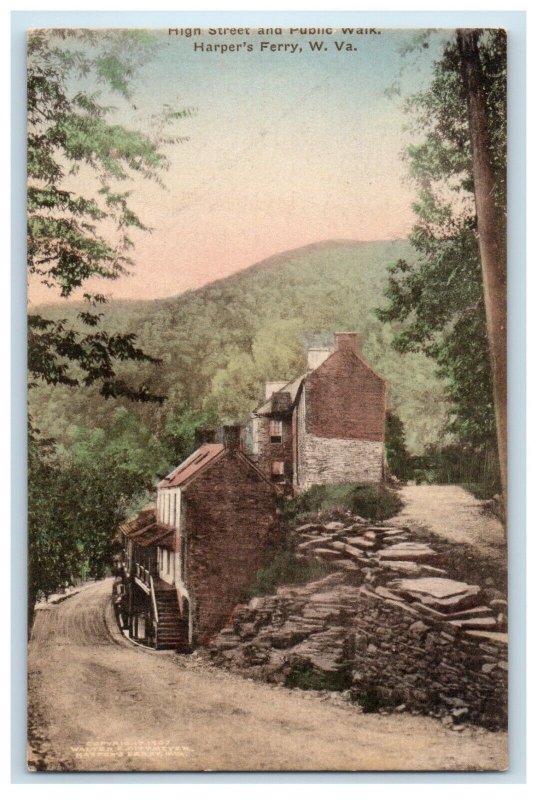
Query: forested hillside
point(220, 343)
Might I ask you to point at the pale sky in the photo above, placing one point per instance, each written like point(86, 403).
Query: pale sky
point(284, 150)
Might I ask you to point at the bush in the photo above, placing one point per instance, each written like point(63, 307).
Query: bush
point(481, 491)
point(304, 676)
point(375, 502)
point(372, 699)
point(286, 569)
point(370, 501)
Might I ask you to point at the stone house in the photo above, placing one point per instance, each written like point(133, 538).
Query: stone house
point(327, 425)
point(189, 560)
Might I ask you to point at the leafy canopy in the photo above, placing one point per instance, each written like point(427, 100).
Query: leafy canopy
point(438, 296)
point(72, 236)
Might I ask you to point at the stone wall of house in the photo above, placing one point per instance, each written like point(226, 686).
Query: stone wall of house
point(230, 521)
point(340, 461)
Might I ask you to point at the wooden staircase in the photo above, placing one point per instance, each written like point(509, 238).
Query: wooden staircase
point(172, 630)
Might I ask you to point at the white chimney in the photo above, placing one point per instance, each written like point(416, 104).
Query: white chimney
point(316, 356)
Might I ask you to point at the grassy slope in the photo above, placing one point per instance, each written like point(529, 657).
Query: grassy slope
point(302, 294)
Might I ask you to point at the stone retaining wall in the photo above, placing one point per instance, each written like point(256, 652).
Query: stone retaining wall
point(428, 665)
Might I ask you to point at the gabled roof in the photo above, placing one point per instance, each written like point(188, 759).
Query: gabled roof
point(198, 461)
point(203, 458)
point(292, 388)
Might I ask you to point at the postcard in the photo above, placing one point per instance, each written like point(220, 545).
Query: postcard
point(267, 410)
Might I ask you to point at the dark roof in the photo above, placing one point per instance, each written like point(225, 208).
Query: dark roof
point(198, 461)
point(156, 533)
point(146, 516)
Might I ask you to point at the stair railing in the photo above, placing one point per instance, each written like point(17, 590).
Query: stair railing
point(154, 606)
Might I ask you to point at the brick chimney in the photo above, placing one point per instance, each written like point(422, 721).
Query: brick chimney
point(347, 342)
point(204, 436)
point(232, 437)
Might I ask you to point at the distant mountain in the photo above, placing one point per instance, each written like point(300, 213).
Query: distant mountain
point(219, 343)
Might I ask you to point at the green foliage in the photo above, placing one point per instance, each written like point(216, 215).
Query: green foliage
point(77, 498)
point(309, 678)
point(286, 569)
point(179, 437)
point(71, 237)
point(397, 455)
point(372, 699)
point(370, 501)
point(375, 502)
point(54, 551)
point(460, 464)
point(482, 491)
point(220, 343)
point(438, 294)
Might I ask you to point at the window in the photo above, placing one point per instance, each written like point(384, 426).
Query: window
point(275, 431)
point(278, 471)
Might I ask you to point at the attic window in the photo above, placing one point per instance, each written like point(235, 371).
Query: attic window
point(275, 431)
point(278, 471)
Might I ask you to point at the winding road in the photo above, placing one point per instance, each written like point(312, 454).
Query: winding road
point(98, 703)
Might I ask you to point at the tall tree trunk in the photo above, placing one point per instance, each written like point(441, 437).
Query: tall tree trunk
point(491, 234)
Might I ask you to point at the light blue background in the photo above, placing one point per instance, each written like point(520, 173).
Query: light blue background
point(515, 23)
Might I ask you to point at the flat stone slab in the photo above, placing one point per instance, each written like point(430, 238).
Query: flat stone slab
point(360, 541)
point(493, 636)
point(477, 611)
point(324, 552)
point(333, 526)
point(346, 563)
point(475, 623)
point(404, 553)
point(311, 543)
point(411, 568)
point(436, 587)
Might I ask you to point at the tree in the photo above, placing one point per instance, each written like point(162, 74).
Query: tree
point(397, 455)
point(491, 231)
point(77, 499)
point(182, 424)
point(438, 296)
point(73, 237)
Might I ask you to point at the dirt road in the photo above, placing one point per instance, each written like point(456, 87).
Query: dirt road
point(99, 703)
point(454, 514)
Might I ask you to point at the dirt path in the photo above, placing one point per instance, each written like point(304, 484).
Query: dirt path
point(454, 514)
point(99, 703)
